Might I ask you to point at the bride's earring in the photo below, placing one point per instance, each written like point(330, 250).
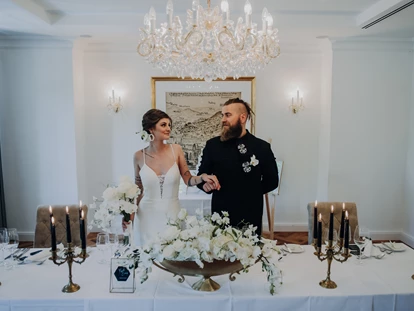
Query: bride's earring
point(151, 137)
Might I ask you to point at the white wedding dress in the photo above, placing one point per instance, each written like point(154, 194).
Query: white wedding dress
point(159, 203)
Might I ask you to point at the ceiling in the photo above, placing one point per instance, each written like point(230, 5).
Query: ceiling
point(114, 20)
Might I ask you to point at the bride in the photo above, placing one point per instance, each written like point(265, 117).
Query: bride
point(158, 168)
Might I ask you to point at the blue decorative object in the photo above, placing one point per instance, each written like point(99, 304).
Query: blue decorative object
point(122, 274)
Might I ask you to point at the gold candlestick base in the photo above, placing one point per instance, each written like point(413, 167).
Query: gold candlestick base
point(69, 257)
point(332, 252)
point(328, 284)
point(70, 288)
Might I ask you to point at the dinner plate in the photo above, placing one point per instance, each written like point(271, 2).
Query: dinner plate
point(395, 247)
point(295, 248)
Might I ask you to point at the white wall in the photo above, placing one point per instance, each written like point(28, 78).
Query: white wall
point(61, 145)
point(295, 137)
point(409, 177)
point(110, 140)
point(371, 95)
point(37, 128)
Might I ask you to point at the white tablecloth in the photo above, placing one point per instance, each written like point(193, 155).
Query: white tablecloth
point(380, 285)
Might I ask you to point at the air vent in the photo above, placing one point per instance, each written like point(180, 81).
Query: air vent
point(388, 14)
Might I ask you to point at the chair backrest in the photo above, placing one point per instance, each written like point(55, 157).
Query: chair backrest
point(325, 209)
point(42, 231)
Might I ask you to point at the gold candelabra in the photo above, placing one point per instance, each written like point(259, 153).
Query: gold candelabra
point(332, 252)
point(69, 257)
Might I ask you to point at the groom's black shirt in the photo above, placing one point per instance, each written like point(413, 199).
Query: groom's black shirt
point(242, 184)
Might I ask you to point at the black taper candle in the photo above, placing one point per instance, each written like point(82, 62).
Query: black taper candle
point(320, 231)
point(346, 231)
point(315, 220)
point(53, 233)
point(68, 231)
point(331, 224)
point(82, 231)
point(341, 231)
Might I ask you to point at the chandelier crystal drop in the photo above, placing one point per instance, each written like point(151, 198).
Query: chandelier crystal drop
point(211, 46)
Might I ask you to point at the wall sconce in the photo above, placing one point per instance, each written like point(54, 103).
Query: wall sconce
point(298, 105)
point(114, 106)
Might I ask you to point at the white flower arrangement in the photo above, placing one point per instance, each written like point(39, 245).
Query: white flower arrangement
point(204, 239)
point(116, 200)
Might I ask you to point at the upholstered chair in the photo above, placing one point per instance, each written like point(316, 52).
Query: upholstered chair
point(42, 231)
point(325, 209)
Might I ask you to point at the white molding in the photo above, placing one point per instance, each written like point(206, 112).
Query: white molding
point(386, 235)
point(34, 43)
point(407, 239)
point(26, 236)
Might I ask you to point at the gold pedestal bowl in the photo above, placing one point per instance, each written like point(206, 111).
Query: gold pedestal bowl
point(190, 268)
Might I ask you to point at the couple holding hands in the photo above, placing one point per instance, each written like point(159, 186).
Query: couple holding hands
point(237, 168)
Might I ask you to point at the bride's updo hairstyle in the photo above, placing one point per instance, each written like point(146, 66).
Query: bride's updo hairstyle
point(152, 117)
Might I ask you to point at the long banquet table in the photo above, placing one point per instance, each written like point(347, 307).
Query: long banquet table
point(383, 284)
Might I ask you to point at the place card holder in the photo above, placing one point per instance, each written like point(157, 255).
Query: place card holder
point(122, 275)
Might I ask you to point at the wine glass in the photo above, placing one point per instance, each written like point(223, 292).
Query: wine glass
point(102, 242)
point(113, 242)
point(4, 241)
point(361, 235)
point(13, 244)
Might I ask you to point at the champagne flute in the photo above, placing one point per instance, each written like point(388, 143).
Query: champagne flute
point(361, 235)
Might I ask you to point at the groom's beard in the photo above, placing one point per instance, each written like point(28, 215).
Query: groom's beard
point(231, 131)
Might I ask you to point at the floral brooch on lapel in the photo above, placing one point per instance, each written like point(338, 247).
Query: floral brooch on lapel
point(247, 166)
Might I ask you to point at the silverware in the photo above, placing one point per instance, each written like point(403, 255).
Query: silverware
point(12, 254)
point(41, 262)
point(288, 249)
point(22, 253)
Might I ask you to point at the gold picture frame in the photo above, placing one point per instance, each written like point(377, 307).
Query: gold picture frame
point(195, 108)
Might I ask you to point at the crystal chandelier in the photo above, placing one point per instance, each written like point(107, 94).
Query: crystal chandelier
point(211, 46)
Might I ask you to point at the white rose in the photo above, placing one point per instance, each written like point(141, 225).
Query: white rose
point(125, 186)
point(133, 192)
point(191, 221)
point(182, 214)
point(178, 245)
point(168, 252)
point(171, 233)
point(110, 194)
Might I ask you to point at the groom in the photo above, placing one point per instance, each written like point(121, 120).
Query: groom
point(244, 165)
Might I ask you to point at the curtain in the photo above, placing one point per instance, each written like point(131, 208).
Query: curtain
point(3, 220)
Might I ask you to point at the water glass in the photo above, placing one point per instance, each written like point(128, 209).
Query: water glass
point(12, 247)
point(102, 244)
point(113, 242)
point(4, 241)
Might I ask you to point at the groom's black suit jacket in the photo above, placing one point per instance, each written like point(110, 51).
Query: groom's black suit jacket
point(241, 192)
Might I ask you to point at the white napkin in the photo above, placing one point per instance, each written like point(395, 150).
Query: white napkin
point(367, 248)
point(43, 254)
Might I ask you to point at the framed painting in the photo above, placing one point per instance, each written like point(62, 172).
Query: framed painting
point(195, 109)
